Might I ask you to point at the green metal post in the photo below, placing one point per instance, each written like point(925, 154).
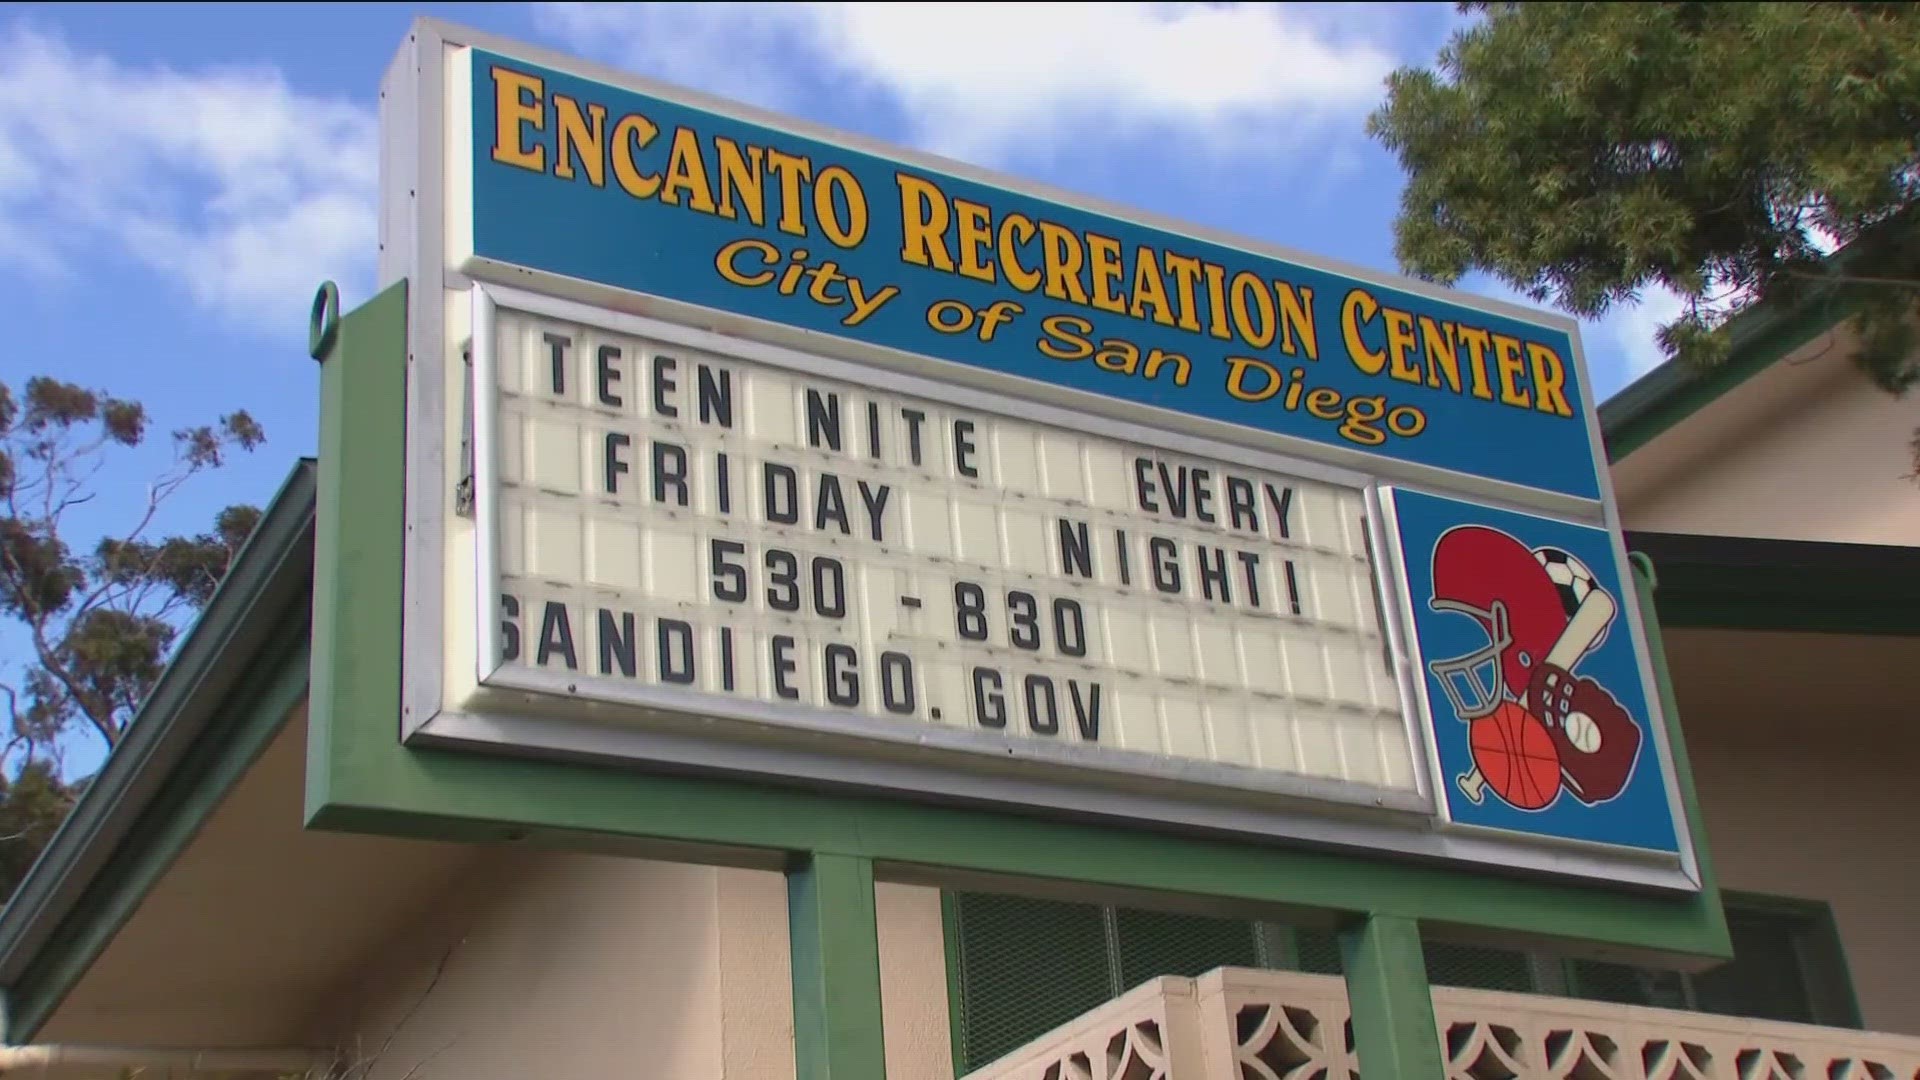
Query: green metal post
point(1394, 1032)
point(836, 969)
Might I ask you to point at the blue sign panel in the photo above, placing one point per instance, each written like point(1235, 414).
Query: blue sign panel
point(596, 183)
point(1534, 695)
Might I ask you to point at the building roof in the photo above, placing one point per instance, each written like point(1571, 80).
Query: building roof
point(1762, 335)
point(66, 901)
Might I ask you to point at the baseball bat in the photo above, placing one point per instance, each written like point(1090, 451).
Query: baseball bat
point(1586, 626)
point(1472, 785)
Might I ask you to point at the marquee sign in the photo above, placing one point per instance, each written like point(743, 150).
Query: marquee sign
point(747, 449)
point(680, 521)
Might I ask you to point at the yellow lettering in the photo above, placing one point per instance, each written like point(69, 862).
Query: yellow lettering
point(1323, 403)
point(1443, 355)
point(1296, 319)
point(792, 171)
point(1063, 257)
point(1400, 342)
point(686, 172)
point(740, 176)
point(1015, 230)
point(1238, 368)
point(1295, 389)
point(1186, 273)
point(923, 223)
point(1149, 288)
point(1070, 328)
point(1549, 380)
point(1217, 301)
point(826, 210)
point(1159, 358)
point(1358, 309)
point(1103, 258)
point(1477, 341)
point(976, 232)
point(631, 135)
point(725, 262)
point(516, 107)
point(1259, 336)
point(1118, 355)
point(1362, 414)
point(950, 316)
point(1506, 353)
point(580, 140)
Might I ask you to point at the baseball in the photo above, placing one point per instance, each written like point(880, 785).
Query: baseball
point(1582, 732)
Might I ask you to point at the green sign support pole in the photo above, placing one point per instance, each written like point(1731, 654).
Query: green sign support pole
point(836, 969)
point(1394, 1032)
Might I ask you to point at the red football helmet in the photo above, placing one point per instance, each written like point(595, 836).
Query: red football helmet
point(1494, 578)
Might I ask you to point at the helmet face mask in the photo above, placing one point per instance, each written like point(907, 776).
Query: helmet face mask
point(1498, 581)
point(1473, 681)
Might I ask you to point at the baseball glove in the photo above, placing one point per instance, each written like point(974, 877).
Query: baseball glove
point(1598, 742)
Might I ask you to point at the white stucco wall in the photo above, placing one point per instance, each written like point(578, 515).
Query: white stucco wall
point(1833, 827)
point(1806, 450)
point(576, 965)
point(558, 964)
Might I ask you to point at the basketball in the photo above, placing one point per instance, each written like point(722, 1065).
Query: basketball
point(1515, 753)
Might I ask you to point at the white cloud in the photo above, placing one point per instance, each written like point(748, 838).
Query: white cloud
point(244, 190)
point(1633, 329)
point(984, 80)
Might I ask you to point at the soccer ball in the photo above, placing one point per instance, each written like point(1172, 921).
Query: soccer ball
point(1570, 577)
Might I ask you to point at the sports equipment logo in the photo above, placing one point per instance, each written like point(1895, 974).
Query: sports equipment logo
point(1534, 726)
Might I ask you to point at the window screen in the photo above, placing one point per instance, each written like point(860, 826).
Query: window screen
point(1023, 967)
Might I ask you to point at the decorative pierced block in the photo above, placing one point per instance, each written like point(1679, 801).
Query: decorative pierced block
point(1238, 1024)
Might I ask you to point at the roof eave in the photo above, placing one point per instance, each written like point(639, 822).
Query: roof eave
point(1663, 398)
point(1762, 335)
point(1804, 586)
point(271, 573)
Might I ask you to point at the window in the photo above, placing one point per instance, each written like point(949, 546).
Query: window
point(1787, 965)
point(1019, 968)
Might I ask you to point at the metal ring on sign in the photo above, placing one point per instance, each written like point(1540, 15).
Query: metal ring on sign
point(323, 325)
point(1644, 564)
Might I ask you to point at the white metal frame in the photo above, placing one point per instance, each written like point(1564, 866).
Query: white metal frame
point(1423, 702)
point(989, 746)
point(415, 164)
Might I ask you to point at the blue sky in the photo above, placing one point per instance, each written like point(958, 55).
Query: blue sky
point(176, 179)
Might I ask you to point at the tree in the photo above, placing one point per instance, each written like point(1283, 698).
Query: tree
point(1584, 152)
point(95, 626)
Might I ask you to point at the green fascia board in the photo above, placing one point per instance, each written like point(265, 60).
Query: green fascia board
point(1761, 336)
point(361, 778)
point(1749, 583)
point(239, 669)
point(1661, 399)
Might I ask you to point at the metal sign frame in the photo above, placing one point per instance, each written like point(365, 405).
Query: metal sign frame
point(452, 304)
